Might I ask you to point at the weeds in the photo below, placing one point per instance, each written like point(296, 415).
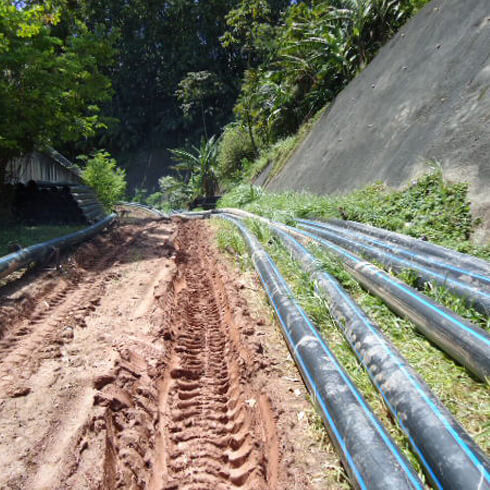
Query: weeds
point(429, 208)
point(24, 236)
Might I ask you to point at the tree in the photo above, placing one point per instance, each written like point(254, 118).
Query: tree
point(202, 164)
point(199, 90)
point(319, 47)
point(160, 43)
point(50, 86)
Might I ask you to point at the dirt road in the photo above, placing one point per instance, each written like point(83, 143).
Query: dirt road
point(146, 362)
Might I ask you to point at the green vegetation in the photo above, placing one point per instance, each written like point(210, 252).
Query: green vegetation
point(300, 63)
point(108, 181)
point(15, 236)
point(430, 207)
point(236, 152)
point(130, 77)
point(270, 65)
point(52, 76)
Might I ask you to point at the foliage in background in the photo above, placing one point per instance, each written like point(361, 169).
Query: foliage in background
point(318, 49)
point(200, 92)
point(176, 193)
point(198, 167)
point(161, 44)
point(52, 80)
point(234, 153)
point(429, 208)
point(102, 174)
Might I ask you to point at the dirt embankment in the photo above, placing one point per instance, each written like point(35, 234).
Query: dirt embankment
point(141, 365)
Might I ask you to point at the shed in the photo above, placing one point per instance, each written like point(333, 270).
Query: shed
point(48, 189)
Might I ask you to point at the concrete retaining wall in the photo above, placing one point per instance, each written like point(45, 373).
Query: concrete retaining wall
point(426, 95)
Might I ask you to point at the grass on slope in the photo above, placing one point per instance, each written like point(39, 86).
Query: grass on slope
point(429, 208)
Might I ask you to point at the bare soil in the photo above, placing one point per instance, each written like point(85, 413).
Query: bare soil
point(146, 361)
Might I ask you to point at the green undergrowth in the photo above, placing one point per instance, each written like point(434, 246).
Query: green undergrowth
point(465, 397)
point(429, 208)
point(12, 236)
point(279, 153)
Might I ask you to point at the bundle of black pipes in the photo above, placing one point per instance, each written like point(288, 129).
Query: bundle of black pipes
point(42, 251)
point(418, 246)
point(447, 453)
point(452, 276)
point(463, 341)
point(367, 451)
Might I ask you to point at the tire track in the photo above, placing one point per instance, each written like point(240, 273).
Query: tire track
point(168, 389)
point(51, 325)
point(210, 432)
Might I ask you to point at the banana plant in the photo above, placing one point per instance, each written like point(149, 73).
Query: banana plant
point(199, 166)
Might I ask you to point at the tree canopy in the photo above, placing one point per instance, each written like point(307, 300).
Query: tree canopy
point(52, 82)
point(121, 75)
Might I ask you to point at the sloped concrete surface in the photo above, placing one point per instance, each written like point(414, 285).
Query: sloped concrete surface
point(426, 95)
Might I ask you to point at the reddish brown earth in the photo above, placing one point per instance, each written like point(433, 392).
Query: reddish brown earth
point(146, 361)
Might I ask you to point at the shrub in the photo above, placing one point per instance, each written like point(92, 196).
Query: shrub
point(140, 194)
point(235, 149)
point(176, 194)
point(102, 174)
point(155, 199)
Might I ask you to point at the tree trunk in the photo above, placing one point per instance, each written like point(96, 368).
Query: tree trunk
point(204, 122)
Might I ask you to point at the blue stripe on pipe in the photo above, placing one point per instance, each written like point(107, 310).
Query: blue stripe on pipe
point(399, 286)
point(346, 379)
point(318, 396)
point(353, 390)
point(403, 251)
point(411, 265)
point(413, 381)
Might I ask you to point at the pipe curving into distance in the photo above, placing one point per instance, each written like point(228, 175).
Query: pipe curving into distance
point(454, 268)
point(477, 298)
point(421, 246)
point(369, 454)
point(450, 457)
point(460, 339)
point(41, 251)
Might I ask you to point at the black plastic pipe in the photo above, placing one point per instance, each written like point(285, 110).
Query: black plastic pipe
point(369, 454)
point(450, 457)
point(455, 268)
point(452, 256)
point(150, 209)
point(477, 298)
point(41, 251)
point(463, 341)
point(191, 214)
point(460, 339)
